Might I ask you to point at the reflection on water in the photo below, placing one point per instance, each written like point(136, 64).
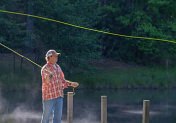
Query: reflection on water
point(124, 106)
point(140, 112)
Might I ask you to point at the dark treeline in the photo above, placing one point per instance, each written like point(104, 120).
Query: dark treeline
point(148, 18)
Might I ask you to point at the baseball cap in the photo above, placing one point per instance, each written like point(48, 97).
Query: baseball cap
point(51, 52)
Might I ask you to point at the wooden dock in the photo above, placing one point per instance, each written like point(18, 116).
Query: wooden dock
point(145, 115)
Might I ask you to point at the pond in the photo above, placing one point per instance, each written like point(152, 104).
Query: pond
point(124, 106)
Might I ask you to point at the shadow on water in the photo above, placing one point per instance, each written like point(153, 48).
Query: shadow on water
point(124, 106)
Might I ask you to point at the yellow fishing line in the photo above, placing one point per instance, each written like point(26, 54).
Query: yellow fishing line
point(20, 55)
point(85, 28)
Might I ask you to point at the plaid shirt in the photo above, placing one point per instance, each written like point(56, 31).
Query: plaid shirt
point(54, 86)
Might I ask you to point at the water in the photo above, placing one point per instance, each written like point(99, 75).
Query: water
point(124, 106)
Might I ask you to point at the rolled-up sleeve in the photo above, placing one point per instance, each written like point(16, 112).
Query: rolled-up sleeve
point(43, 73)
point(64, 81)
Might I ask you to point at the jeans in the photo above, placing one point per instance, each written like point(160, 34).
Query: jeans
point(52, 106)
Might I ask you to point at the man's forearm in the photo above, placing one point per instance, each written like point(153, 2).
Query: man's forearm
point(68, 82)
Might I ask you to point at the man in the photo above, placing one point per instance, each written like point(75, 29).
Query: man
point(53, 84)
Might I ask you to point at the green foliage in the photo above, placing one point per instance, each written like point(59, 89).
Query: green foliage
point(76, 45)
point(147, 18)
point(129, 77)
point(33, 35)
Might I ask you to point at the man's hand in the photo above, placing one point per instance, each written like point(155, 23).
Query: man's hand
point(74, 84)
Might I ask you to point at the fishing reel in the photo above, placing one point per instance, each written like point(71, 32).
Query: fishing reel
point(51, 76)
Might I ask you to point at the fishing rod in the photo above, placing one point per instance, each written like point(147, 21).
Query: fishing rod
point(22, 56)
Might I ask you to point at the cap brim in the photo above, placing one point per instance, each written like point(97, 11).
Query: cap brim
point(58, 54)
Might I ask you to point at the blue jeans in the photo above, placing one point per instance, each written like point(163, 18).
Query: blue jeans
point(52, 106)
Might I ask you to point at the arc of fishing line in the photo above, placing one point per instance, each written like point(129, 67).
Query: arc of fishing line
point(85, 28)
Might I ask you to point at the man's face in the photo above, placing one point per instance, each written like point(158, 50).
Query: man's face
point(54, 58)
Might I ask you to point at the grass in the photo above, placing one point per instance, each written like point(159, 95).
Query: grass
point(17, 78)
point(102, 75)
point(131, 77)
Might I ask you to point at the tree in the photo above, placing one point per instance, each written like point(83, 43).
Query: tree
point(149, 18)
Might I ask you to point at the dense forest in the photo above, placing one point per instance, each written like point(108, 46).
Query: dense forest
point(147, 18)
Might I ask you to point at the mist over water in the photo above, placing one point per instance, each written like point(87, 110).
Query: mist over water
point(20, 114)
point(23, 114)
point(88, 116)
point(123, 106)
point(2, 103)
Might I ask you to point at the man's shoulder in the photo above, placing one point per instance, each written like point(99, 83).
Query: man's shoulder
point(57, 65)
point(44, 67)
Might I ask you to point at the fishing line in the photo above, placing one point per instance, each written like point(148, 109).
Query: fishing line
point(86, 28)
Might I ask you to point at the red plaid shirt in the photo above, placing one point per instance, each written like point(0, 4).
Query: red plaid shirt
point(52, 87)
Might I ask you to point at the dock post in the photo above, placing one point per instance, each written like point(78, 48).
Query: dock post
point(70, 107)
point(146, 106)
point(103, 109)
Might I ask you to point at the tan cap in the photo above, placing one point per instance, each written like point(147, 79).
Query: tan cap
point(52, 52)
